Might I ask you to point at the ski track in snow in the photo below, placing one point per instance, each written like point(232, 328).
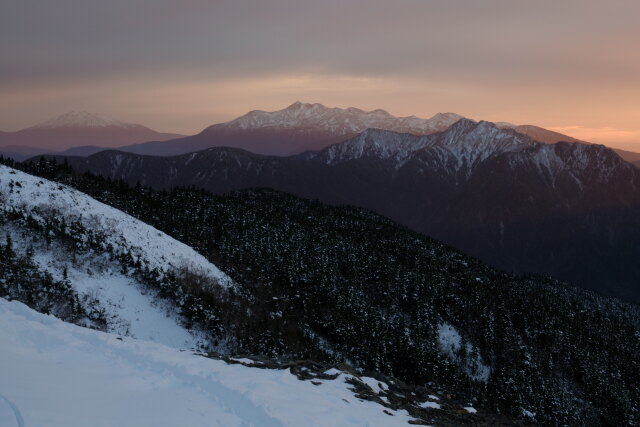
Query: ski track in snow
point(14, 409)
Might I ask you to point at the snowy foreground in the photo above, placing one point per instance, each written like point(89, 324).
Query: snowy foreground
point(57, 374)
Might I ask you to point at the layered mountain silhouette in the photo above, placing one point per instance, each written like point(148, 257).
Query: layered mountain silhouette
point(309, 127)
point(570, 210)
point(74, 130)
point(299, 127)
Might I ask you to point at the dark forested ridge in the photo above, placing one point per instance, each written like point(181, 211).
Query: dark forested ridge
point(568, 210)
point(340, 283)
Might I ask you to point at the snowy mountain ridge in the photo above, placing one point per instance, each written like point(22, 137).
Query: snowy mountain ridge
point(465, 146)
point(302, 127)
point(465, 137)
point(306, 117)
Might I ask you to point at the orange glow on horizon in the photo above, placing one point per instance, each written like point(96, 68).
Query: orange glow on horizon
point(188, 106)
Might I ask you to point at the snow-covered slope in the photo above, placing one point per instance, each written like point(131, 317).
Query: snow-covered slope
point(60, 375)
point(87, 248)
point(373, 143)
point(463, 146)
point(28, 194)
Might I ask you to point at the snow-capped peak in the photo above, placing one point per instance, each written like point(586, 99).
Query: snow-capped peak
point(81, 119)
point(297, 106)
point(465, 142)
point(306, 118)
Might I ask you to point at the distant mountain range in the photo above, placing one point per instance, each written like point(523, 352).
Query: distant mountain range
point(298, 128)
point(571, 210)
point(309, 127)
point(75, 129)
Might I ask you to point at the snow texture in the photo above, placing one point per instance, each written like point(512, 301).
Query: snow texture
point(432, 405)
point(131, 309)
point(39, 197)
point(464, 146)
point(376, 386)
point(338, 121)
point(60, 375)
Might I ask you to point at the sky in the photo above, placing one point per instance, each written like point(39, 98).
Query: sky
point(572, 66)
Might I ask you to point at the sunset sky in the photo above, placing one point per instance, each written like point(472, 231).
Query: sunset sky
point(568, 65)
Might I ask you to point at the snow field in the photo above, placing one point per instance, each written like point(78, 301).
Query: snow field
point(58, 374)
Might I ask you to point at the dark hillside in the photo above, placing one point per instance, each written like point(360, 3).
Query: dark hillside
point(340, 283)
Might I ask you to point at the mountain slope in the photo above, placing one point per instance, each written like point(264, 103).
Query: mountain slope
point(110, 264)
point(567, 209)
point(23, 194)
point(77, 128)
point(295, 129)
point(334, 283)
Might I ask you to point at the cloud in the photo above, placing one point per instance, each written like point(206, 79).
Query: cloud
point(544, 62)
point(493, 40)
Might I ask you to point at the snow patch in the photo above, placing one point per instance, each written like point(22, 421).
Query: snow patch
point(430, 405)
point(450, 343)
point(376, 386)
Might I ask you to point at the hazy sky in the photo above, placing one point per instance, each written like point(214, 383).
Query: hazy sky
point(568, 65)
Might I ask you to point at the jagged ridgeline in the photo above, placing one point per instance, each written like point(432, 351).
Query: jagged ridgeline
point(339, 283)
point(568, 210)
